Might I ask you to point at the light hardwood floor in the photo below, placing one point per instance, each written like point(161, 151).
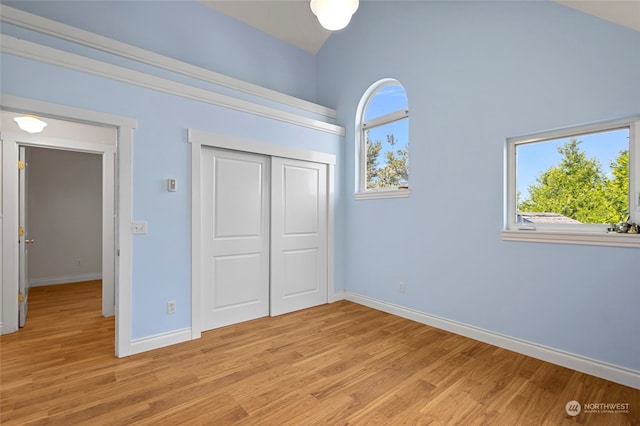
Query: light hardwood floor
point(337, 364)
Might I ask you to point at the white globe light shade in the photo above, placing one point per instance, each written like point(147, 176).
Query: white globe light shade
point(334, 15)
point(30, 124)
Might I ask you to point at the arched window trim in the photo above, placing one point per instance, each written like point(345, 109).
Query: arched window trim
point(361, 192)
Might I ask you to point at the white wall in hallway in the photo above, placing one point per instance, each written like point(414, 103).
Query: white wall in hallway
point(64, 216)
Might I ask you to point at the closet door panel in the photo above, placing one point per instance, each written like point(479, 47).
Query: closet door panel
point(236, 221)
point(298, 235)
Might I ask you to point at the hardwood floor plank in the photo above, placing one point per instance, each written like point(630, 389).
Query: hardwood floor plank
point(338, 364)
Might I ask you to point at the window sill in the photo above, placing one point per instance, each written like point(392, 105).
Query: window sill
point(389, 193)
point(581, 238)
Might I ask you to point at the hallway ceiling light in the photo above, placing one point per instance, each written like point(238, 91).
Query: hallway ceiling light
point(30, 124)
point(334, 15)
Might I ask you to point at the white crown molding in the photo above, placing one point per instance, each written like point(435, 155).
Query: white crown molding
point(29, 50)
point(62, 31)
point(614, 373)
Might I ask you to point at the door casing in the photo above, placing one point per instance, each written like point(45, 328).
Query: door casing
point(199, 139)
point(23, 250)
point(12, 140)
point(117, 199)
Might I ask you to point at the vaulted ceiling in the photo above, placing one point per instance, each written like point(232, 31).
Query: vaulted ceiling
point(293, 22)
point(290, 21)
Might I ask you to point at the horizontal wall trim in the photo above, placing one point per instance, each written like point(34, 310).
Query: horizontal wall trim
point(65, 279)
point(62, 31)
point(157, 341)
point(614, 373)
point(29, 50)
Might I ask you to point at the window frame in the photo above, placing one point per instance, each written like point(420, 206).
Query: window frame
point(589, 234)
point(361, 191)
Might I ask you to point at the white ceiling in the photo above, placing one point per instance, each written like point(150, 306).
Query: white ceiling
point(292, 20)
point(288, 20)
point(623, 12)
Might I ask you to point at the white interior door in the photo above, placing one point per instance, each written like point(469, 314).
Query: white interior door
point(298, 235)
point(235, 240)
point(23, 239)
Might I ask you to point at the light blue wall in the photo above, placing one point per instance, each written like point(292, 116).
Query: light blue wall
point(192, 33)
point(477, 73)
point(161, 259)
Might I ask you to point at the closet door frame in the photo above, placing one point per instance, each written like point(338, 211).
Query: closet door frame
point(199, 139)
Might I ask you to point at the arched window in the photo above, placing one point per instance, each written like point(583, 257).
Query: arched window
point(383, 141)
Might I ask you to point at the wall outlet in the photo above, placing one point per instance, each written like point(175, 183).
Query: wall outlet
point(171, 307)
point(401, 287)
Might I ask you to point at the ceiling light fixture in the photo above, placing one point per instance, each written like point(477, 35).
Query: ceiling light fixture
point(30, 124)
point(334, 15)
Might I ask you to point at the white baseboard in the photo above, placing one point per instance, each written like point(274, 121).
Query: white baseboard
point(158, 341)
point(338, 295)
point(614, 373)
point(65, 279)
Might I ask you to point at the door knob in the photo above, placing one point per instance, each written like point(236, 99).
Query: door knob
point(30, 241)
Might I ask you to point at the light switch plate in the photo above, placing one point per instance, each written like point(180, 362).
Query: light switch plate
point(139, 227)
point(172, 185)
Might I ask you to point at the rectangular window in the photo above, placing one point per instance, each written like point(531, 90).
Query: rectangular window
point(578, 180)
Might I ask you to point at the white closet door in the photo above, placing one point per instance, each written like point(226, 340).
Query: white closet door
point(298, 235)
point(235, 206)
